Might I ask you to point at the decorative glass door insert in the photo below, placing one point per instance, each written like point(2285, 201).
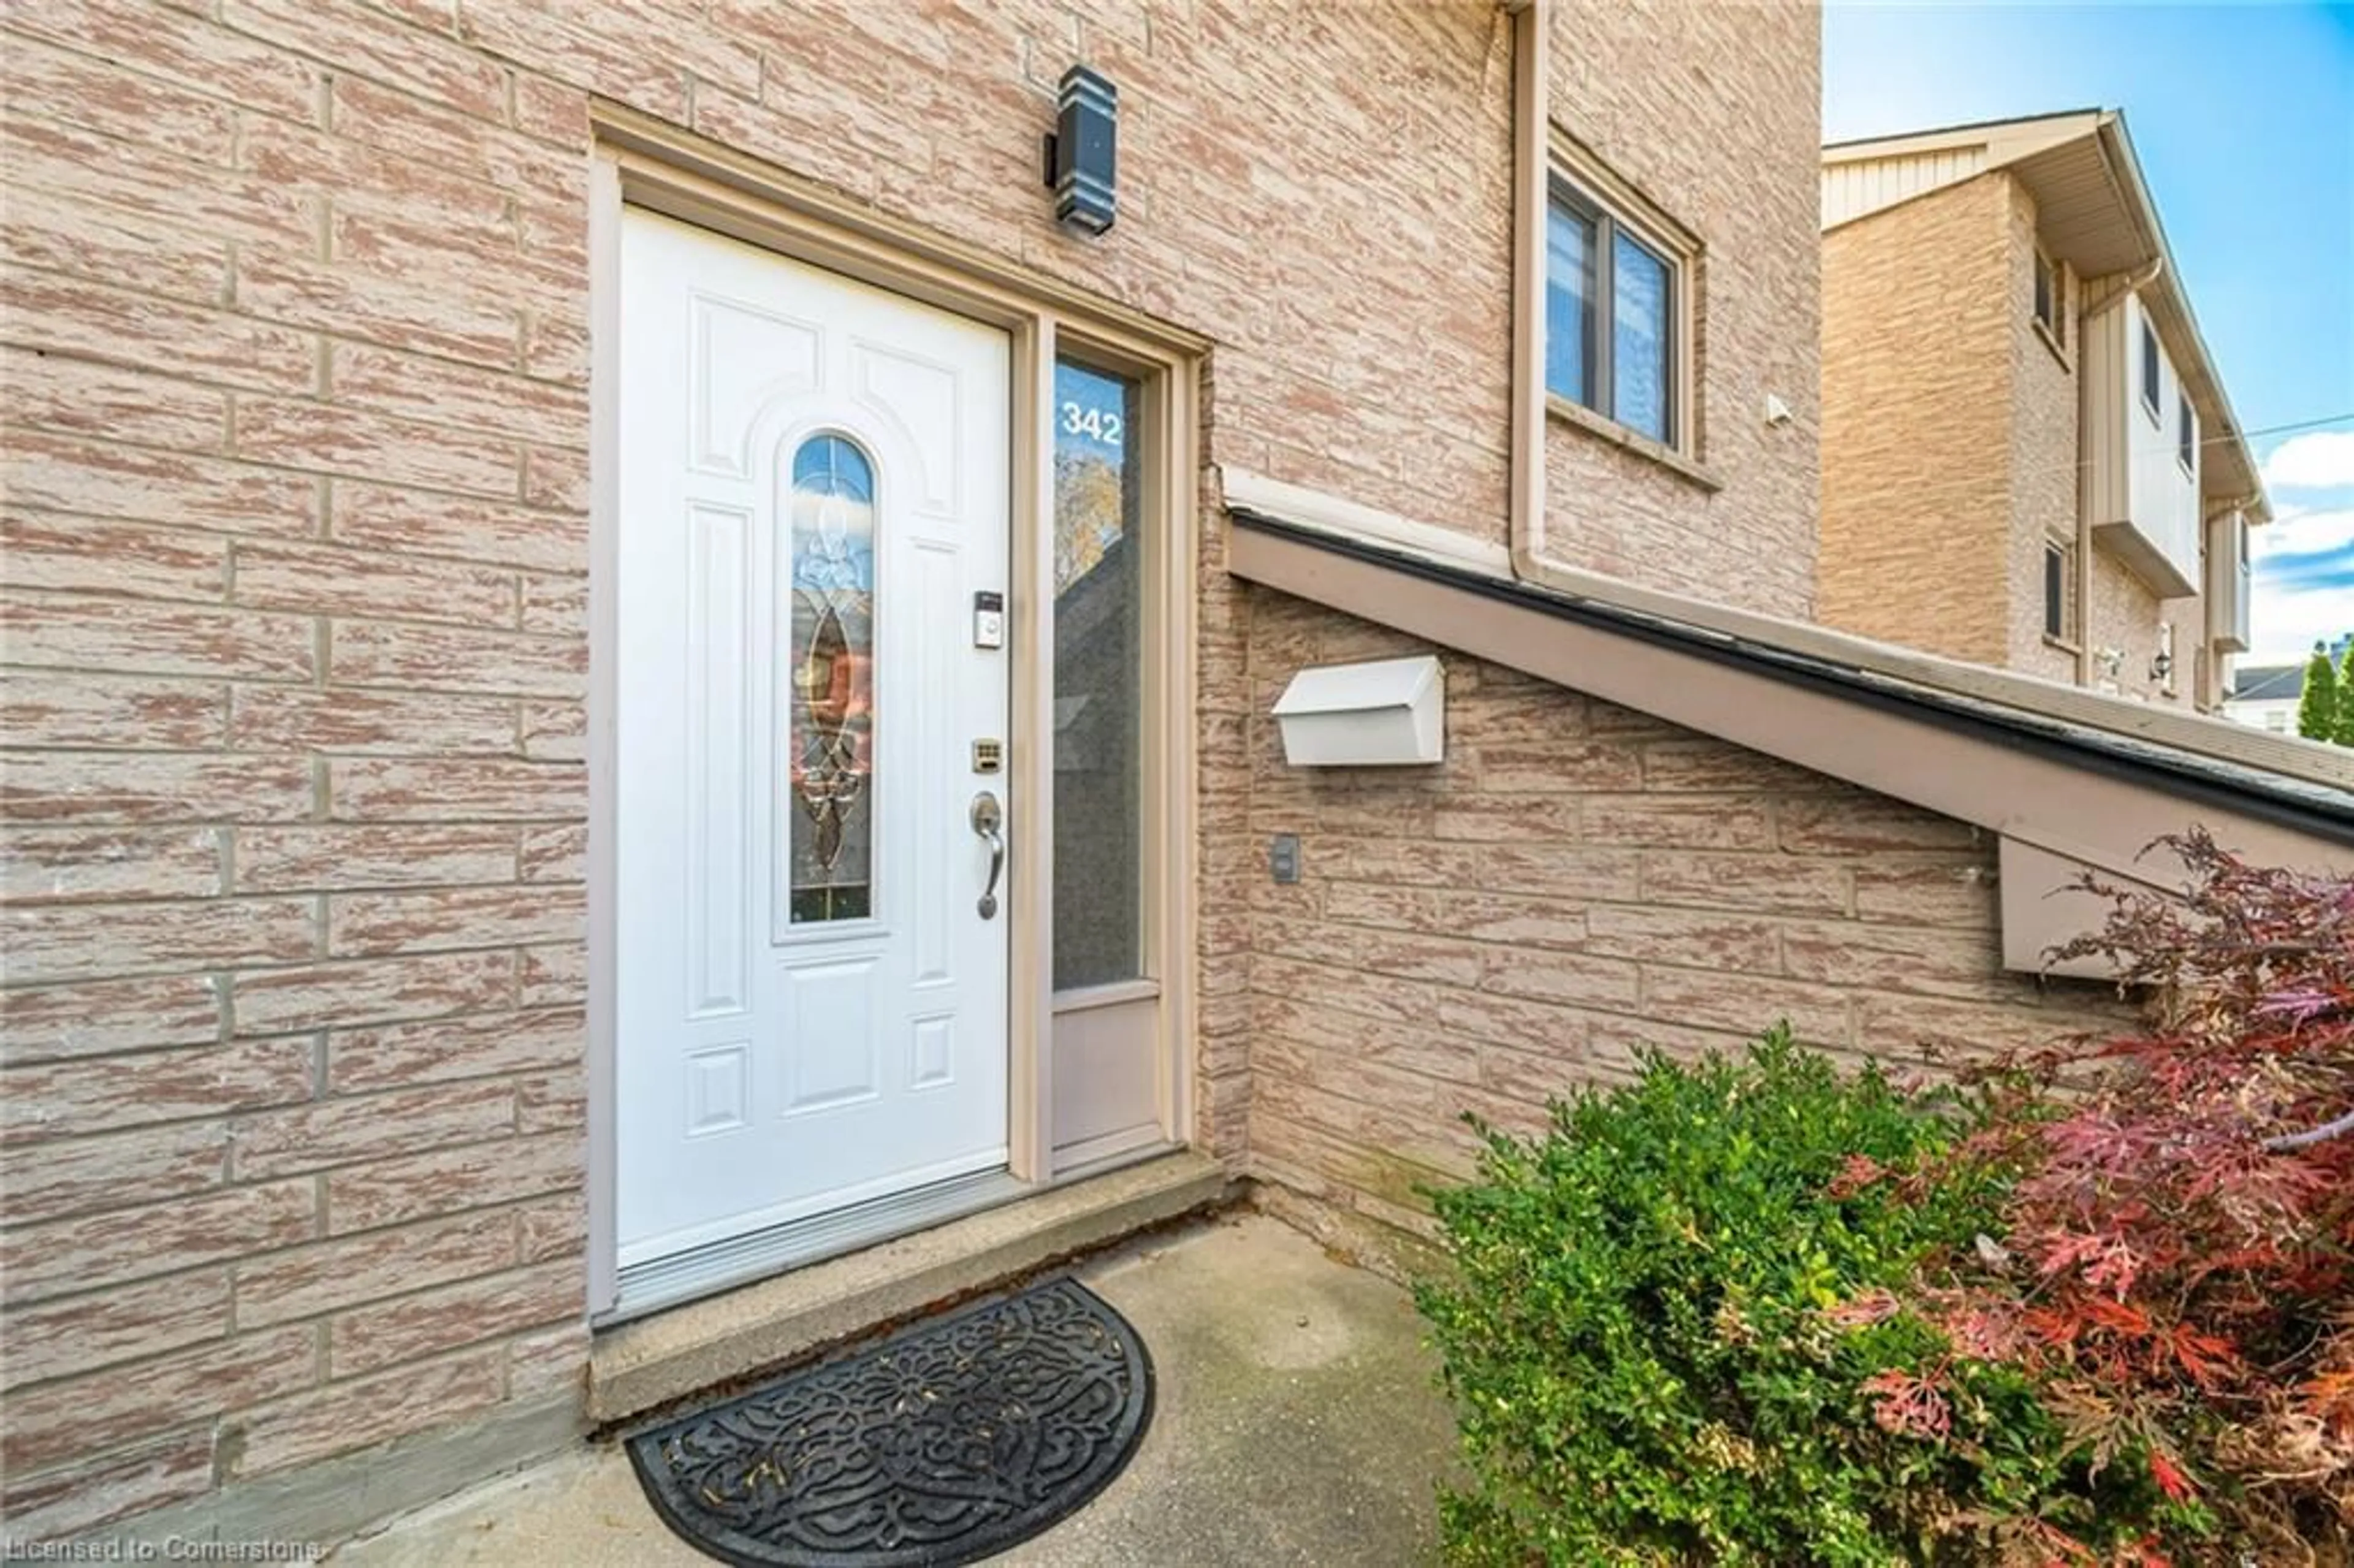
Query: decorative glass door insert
point(809, 1009)
point(831, 724)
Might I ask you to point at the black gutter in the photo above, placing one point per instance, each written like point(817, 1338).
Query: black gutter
point(2276, 798)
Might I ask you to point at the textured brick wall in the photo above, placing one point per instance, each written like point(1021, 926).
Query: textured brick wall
point(1577, 880)
point(2043, 448)
point(1950, 446)
point(2126, 616)
point(294, 623)
point(1918, 336)
point(296, 325)
point(1712, 113)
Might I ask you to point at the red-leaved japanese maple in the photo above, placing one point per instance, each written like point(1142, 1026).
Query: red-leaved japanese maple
point(2177, 1269)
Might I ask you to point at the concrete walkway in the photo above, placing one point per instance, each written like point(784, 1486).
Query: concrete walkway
point(1296, 1423)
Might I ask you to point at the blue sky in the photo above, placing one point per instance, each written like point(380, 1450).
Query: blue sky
point(2243, 117)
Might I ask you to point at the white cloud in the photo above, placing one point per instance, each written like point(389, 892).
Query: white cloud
point(2317, 459)
point(2304, 531)
point(2302, 564)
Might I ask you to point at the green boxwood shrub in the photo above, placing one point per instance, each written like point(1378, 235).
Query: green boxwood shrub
point(1652, 1339)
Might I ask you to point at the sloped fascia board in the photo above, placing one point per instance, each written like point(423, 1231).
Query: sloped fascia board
point(2056, 808)
point(2142, 731)
point(2002, 770)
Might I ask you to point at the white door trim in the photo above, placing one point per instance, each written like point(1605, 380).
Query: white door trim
point(643, 162)
point(604, 638)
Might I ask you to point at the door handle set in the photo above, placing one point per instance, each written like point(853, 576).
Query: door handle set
point(988, 821)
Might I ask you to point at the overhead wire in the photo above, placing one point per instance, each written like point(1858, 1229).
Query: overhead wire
point(1936, 488)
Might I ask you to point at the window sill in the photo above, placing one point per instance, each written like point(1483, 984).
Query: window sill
point(1579, 417)
point(2051, 341)
point(2151, 409)
point(2071, 648)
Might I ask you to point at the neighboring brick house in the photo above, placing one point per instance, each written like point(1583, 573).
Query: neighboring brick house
point(2028, 458)
point(627, 670)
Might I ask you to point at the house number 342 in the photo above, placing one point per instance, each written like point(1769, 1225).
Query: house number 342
point(1093, 423)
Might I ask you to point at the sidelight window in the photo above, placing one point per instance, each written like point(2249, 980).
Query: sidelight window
point(1099, 690)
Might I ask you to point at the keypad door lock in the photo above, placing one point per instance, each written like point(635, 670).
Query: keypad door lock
point(987, 755)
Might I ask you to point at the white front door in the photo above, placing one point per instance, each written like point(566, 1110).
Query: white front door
point(809, 999)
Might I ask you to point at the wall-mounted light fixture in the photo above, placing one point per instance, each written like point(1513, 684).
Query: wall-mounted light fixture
point(1082, 152)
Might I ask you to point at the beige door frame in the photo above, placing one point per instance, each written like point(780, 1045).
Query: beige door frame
point(642, 162)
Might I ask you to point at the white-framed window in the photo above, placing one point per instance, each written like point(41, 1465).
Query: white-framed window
point(1617, 282)
point(2060, 591)
point(2051, 303)
point(2185, 434)
point(2151, 371)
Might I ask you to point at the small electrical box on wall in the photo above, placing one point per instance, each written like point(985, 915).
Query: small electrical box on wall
point(1389, 712)
point(1283, 858)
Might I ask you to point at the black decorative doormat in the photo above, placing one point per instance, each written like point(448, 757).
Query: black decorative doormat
point(951, 1440)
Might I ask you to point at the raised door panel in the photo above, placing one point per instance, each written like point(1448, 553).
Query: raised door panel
point(810, 1007)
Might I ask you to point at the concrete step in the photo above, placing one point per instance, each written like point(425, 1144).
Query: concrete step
point(638, 1366)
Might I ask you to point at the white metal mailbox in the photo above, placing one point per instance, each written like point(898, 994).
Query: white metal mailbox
point(1387, 713)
